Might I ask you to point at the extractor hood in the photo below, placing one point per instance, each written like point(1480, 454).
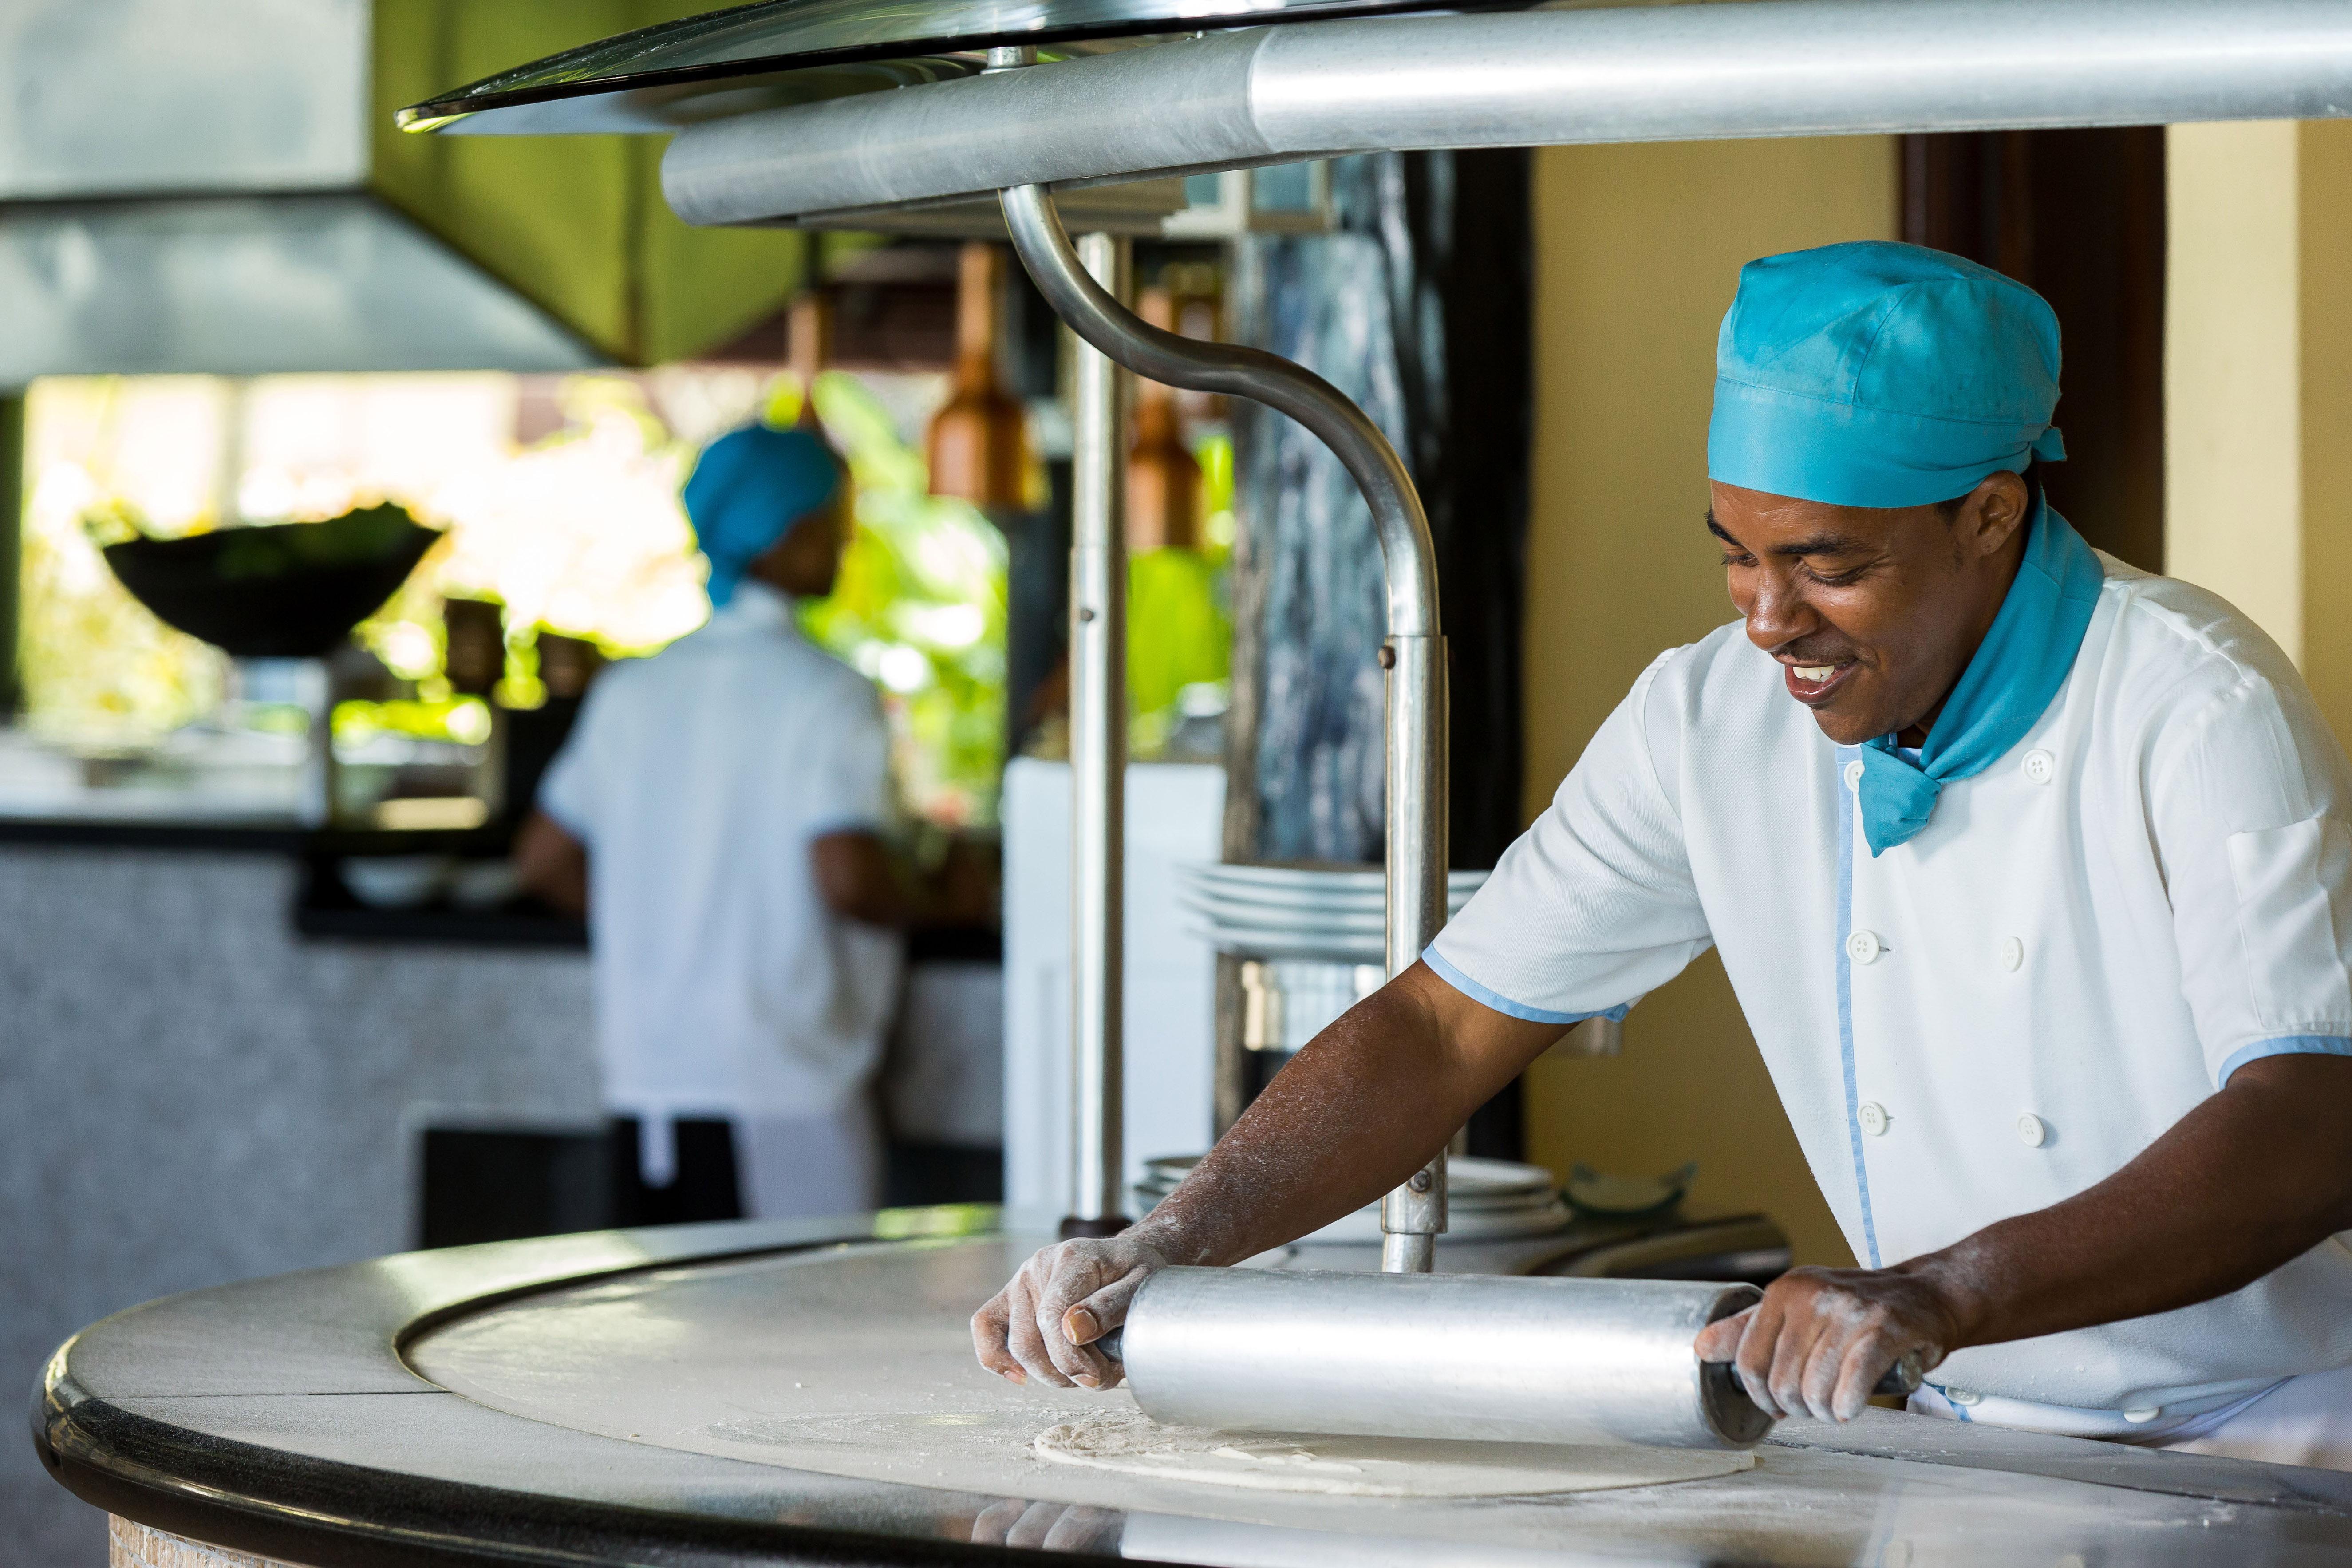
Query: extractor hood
point(219, 189)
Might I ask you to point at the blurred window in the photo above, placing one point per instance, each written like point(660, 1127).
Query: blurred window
point(559, 498)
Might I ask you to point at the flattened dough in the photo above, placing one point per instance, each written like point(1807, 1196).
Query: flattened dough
point(1135, 1445)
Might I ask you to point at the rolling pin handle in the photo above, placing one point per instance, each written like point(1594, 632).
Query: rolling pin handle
point(1900, 1381)
point(1112, 1344)
point(1903, 1379)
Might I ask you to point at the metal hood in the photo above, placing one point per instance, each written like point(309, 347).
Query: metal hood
point(217, 189)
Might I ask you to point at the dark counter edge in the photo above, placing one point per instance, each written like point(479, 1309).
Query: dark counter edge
point(255, 837)
point(250, 1498)
point(245, 1498)
point(204, 1490)
point(326, 911)
point(225, 1491)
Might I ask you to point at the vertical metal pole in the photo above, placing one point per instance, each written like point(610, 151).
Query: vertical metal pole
point(1413, 1216)
point(1415, 654)
point(1097, 763)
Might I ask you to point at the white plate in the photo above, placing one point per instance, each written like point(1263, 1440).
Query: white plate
point(1274, 942)
point(1364, 1225)
point(1468, 1176)
point(1246, 917)
point(1249, 907)
point(1271, 880)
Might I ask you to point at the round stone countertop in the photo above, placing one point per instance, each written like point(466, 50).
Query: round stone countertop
point(700, 1396)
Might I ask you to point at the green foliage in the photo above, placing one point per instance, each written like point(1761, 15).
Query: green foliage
point(920, 609)
point(358, 537)
point(1177, 635)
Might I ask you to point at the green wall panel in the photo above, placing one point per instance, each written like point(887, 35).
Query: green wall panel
point(576, 224)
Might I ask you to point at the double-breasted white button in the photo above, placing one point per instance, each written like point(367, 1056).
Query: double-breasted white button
point(2031, 1130)
point(2142, 1415)
point(2041, 766)
point(1853, 775)
point(1964, 1397)
point(1863, 947)
point(2012, 954)
point(1873, 1117)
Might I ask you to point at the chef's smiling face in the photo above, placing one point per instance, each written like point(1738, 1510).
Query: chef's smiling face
point(1872, 612)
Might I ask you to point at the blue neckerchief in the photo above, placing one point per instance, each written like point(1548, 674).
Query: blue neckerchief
point(2005, 690)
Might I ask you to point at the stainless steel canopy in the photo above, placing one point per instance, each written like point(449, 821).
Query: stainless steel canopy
point(1330, 81)
point(1763, 67)
point(794, 50)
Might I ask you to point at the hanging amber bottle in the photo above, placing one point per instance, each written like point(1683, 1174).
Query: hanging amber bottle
point(808, 325)
point(1163, 482)
point(979, 443)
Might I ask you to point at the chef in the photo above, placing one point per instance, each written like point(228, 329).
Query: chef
point(717, 813)
point(2033, 875)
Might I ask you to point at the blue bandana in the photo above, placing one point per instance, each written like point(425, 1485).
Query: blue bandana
point(750, 488)
point(1875, 375)
point(2018, 668)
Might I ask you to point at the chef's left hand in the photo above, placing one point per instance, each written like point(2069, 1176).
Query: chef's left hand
point(1821, 1338)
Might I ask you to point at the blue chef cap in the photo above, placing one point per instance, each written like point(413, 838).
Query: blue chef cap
point(1880, 374)
point(748, 488)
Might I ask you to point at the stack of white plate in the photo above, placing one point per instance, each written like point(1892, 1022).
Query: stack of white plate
point(1485, 1200)
point(1299, 910)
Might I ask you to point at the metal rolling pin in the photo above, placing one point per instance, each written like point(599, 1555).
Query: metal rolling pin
point(1501, 1358)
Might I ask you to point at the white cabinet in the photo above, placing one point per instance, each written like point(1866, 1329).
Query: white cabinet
point(1174, 811)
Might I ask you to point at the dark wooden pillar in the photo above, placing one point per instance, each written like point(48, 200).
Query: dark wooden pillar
point(12, 551)
point(2079, 216)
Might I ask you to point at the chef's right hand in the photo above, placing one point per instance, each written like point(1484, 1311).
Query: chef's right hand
point(1044, 1322)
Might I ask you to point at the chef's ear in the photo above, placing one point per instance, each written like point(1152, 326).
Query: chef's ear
point(1991, 514)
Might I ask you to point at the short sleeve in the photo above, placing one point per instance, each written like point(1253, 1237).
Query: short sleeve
point(1594, 906)
point(849, 778)
point(2249, 814)
point(567, 790)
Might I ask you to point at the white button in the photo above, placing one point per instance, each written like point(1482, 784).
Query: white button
point(1862, 947)
point(1873, 1117)
point(2039, 765)
point(2012, 954)
point(1853, 775)
point(2144, 1414)
point(2031, 1130)
point(1964, 1397)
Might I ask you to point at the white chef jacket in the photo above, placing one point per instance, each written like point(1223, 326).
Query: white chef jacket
point(725, 986)
point(2151, 889)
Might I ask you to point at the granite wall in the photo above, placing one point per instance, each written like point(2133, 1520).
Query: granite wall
point(191, 1094)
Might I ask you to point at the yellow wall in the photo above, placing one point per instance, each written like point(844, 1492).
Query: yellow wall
point(2232, 473)
point(1637, 251)
point(2324, 177)
point(2258, 383)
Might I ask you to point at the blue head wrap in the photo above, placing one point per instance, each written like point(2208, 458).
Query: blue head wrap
point(750, 488)
point(1880, 374)
point(1889, 375)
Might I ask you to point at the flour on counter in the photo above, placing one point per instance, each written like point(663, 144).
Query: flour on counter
point(1134, 1445)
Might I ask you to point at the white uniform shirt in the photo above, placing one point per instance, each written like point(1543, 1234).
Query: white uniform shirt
point(697, 778)
point(2153, 887)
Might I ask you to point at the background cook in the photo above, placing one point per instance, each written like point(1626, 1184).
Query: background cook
point(717, 813)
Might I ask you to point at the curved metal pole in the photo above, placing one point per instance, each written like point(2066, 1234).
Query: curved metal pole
point(1413, 655)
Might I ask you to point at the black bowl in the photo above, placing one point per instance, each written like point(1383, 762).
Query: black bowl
point(289, 590)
